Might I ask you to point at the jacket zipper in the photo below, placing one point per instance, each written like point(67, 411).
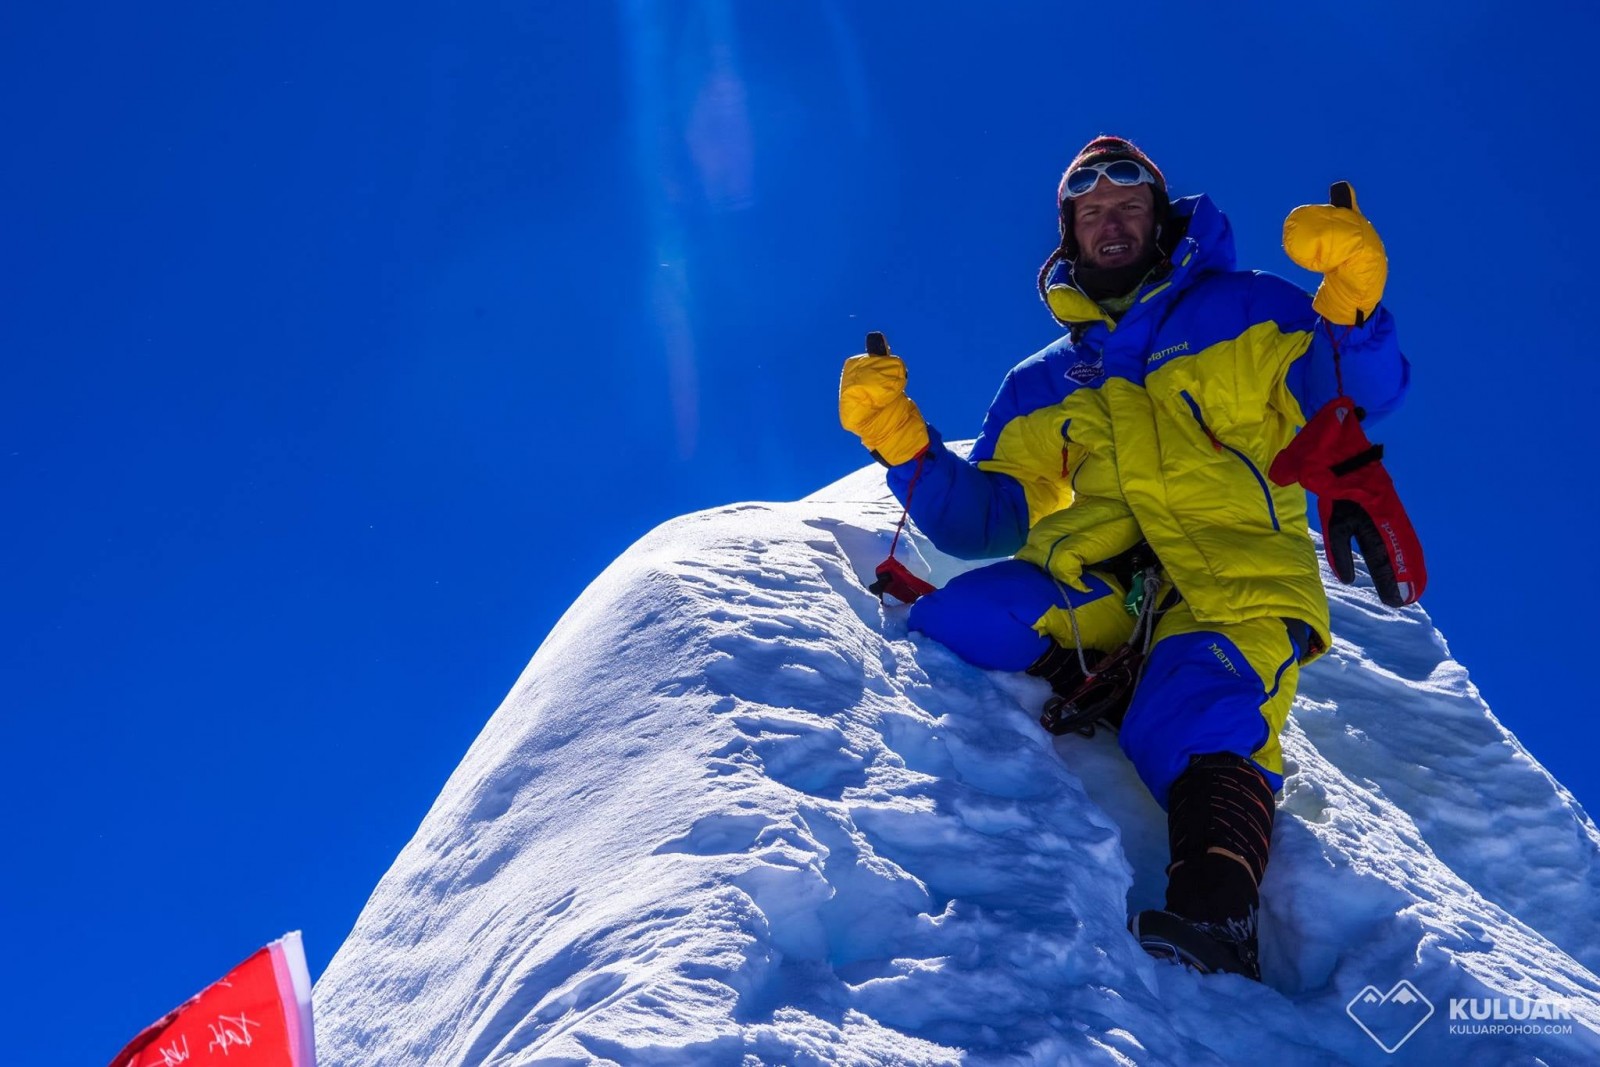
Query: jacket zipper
point(1216, 443)
point(1067, 473)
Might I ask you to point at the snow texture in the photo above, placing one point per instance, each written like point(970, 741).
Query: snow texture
point(732, 813)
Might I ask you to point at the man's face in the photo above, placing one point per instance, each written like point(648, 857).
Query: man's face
point(1114, 224)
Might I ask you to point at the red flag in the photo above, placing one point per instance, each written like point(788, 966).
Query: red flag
point(258, 1015)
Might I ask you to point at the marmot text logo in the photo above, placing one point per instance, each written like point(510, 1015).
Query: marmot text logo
point(1181, 346)
point(1222, 657)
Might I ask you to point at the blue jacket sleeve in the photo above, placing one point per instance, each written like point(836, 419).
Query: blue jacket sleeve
point(966, 512)
point(1366, 359)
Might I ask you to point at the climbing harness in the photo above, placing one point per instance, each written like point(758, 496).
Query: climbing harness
point(1109, 681)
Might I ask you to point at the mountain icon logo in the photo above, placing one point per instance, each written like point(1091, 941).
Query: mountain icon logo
point(1390, 1018)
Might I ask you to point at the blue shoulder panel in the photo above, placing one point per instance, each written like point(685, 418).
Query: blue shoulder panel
point(1365, 359)
point(966, 512)
point(1037, 382)
point(971, 513)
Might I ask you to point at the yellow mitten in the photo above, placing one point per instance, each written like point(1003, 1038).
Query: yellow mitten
point(873, 405)
point(1090, 530)
point(1341, 245)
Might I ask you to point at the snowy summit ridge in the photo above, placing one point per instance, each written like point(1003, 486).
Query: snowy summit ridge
point(732, 813)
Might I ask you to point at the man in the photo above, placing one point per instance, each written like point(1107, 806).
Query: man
point(1126, 468)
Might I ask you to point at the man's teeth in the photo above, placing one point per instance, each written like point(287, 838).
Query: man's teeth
point(1108, 250)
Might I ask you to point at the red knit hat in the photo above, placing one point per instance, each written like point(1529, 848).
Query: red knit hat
point(1105, 149)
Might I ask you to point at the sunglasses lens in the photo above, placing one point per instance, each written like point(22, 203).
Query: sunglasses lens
point(1125, 172)
point(1081, 181)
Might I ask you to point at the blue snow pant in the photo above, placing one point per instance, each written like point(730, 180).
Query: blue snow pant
point(1206, 687)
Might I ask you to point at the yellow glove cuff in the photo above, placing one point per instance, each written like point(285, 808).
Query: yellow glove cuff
point(873, 405)
point(1341, 245)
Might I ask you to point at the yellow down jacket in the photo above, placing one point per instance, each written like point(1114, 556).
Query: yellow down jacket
point(1161, 427)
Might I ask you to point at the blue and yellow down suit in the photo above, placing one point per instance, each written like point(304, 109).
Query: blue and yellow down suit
point(1157, 427)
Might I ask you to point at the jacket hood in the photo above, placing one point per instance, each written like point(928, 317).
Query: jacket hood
point(1201, 242)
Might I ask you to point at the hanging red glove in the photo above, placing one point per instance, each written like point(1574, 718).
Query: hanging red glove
point(1356, 500)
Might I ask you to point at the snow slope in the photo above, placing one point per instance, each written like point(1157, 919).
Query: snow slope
point(732, 813)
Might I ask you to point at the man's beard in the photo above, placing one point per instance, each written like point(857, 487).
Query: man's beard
point(1106, 283)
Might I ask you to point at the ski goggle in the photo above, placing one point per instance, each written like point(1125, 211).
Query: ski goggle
point(1080, 180)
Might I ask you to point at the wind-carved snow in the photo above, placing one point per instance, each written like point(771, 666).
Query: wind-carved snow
point(732, 813)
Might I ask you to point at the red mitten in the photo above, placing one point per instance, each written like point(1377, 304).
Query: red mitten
point(1356, 500)
point(895, 579)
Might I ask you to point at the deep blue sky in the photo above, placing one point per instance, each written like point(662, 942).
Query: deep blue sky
point(343, 345)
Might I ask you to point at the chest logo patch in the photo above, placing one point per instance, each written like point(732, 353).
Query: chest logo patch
point(1084, 373)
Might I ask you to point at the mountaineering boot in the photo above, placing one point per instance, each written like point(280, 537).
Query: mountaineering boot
point(1060, 667)
point(1228, 947)
point(1219, 826)
point(1082, 702)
